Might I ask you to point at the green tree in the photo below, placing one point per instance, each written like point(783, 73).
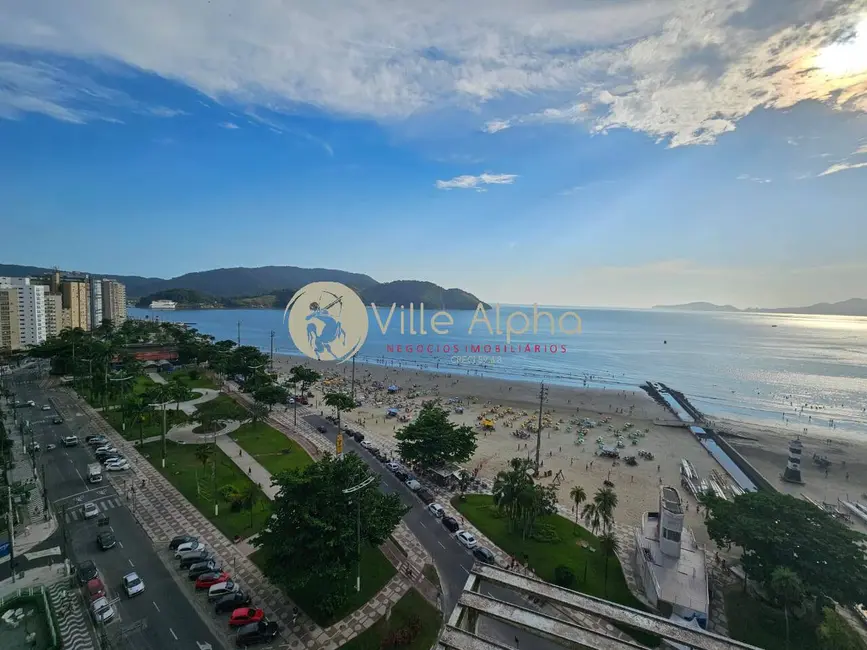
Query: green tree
point(432, 440)
point(605, 500)
point(787, 590)
point(465, 479)
point(178, 392)
point(304, 376)
point(609, 545)
point(592, 516)
point(520, 499)
point(340, 402)
point(204, 454)
point(778, 530)
point(271, 394)
point(312, 542)
point(248, 498)
point(258, 411)
point(835, 633)
point(246, 362)
point(208, 419)
point(578, 495)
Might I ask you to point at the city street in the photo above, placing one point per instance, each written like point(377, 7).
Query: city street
point(170, 619)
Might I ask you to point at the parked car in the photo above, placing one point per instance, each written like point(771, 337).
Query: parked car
point(181, 539)
point(196, 545)
point(231, 602)
point(101, 610)
point(221, 589)
point(207, 580)
point(95, 589)
point(191, 557)
point(86, 571)
point(380, 455)
point(46, 408)
point(246, 615)
point(413, 485)
point(34, 446)
point(436, 510)
point(256, 633)
point(57, 421)
point(359, 437)
point(321, 429)
point(367, 444)
point(117, 466)
point(133, 584)
point(466, 539)
point(97, 440)
point(426, 496)
point(106, 458)
point(106, 540)
point(485, 555)
point(401, 475)
point(451, 524)
point(109, 449)
point(201, 568)
point(394, 466)
point(90, 510)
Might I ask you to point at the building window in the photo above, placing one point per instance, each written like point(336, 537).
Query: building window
point(672, 535)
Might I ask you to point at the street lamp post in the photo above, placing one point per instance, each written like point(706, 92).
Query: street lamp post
point(353, 490)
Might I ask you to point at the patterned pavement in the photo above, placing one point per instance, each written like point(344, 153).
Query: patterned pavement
point(71, 617)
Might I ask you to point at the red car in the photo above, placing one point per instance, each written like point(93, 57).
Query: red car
point(245, 616)
point(210, 579)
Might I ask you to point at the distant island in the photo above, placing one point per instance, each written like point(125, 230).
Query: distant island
point(851, 307)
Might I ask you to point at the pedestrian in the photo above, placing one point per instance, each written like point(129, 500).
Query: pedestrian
point(250, 470)
point(517, 642)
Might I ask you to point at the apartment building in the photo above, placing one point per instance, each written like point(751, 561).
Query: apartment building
point(53, 314)
point(10, 330)
point(31, 309)
point(113, 301)
point(76, 304)
point(95, 297)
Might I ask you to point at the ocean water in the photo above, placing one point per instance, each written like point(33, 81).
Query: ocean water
point(752, 367)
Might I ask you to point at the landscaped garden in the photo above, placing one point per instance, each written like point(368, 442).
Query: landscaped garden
point(138, 385)
point(144, 425)
point(191, 378)
point(189, 469)
point(414, 624)
point(271, 448)
point(224, 408)
point(376, 571)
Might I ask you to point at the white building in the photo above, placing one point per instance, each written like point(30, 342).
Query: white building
point(31, 309)
point(164, 304)
point(95, 303)
point(670, 565)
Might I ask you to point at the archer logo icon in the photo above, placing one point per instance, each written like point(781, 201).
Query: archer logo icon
point(327, 321)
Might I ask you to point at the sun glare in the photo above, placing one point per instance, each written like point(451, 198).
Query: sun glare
point(845, 58)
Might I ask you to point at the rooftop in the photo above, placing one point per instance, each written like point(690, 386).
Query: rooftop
point(680, 581)
point(671, 500)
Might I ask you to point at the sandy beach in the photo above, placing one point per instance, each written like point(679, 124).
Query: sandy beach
point(513, 406)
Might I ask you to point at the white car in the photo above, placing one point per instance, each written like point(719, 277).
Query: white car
point(90, 510)
point(30, 402)
point(118, 465)
point(393, 465)
point(189, 546)
point(101, 610)
point(413, 485)
point(132, 584)
point(70, 441)
point(436, 510)
point(108, 449)
point(466, 539)
point(221, 589)
point(46, 408)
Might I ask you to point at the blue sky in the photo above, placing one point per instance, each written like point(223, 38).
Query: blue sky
point(599, 153)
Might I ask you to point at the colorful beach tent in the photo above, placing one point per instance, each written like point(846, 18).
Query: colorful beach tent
point(393, 388)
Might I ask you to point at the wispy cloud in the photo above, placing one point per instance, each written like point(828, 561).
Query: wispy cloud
point(583, 187)
point(842, 167)
point(278, 126)
point(753, 179)
point(228, 125)
point(496, 125)
point(477, 183)
point(162, 111)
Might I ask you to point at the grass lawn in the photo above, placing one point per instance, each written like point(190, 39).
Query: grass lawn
point(271, 448)
point(577, 548)
point(183, 376)
point(759, 624)
point(152, 425)
point(411, 606)
point(226, 407)
point(183, 470)
point(138, 386)
point(376, 571)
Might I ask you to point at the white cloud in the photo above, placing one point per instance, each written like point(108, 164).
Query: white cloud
point(753, 179)
point(477, 183)
point(683, 71)
point(229, 125)
point(841, 167)
point(162, 111)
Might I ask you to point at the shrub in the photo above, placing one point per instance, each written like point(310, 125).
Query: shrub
point(194, 374)
point(545, 533)
point(404, 636)
point(564, 576)
point(229, 493)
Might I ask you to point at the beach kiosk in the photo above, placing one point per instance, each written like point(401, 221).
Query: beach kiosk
point(391, 413)
point(393, 388)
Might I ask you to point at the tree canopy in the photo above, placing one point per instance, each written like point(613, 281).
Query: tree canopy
point(523, 501)
point(312, 541)
point(777, 530)
point(432, 440)
point(271, 394)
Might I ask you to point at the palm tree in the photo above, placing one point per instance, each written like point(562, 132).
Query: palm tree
point(512, 490)
point(591, 516)
point(248, 498)
point(178, 392)
point(204, 453)
point(578, 496)
point(788, 590)
point(606, 501)
point(465, 479)
point(340, 402)
point(609, 545)
point(258, 412)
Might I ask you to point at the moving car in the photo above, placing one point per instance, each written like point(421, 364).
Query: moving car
point(50, 447)
point(106, 540)
point(90, 510)
point(30, 402)
point(70, 441)
point(485, 555)
point(466, 539)
point(194, 545)
point(86, 571)
point(222, 589)
point(95, 589)
point(451, 524)
point(191, 557)
point(436, 510)
point(133, 584)
point(57, 420)
point(181, 539)
point(231, 602)
point(246, 615)
point(321, 429)
point(46, 408)
point(201, 568)
point(33, 446)
point(207, 580)
point(255, 633)
point(101, 610)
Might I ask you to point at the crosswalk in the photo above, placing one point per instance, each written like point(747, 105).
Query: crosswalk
point(76, 512)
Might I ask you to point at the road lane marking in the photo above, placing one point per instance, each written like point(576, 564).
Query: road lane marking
point(465, 569)
point(120, 544)
point(440, 543)
point(422, 524)
point(156, 606)
point(173, 634)
point(131, 564)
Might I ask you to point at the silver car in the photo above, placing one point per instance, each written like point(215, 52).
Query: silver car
point(132, 584)
point(90, 510)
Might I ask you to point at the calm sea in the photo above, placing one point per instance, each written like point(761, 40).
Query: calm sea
point(753, 367)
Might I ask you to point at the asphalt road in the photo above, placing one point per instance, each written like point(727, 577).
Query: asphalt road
point(452, 560)
point(172, 621)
